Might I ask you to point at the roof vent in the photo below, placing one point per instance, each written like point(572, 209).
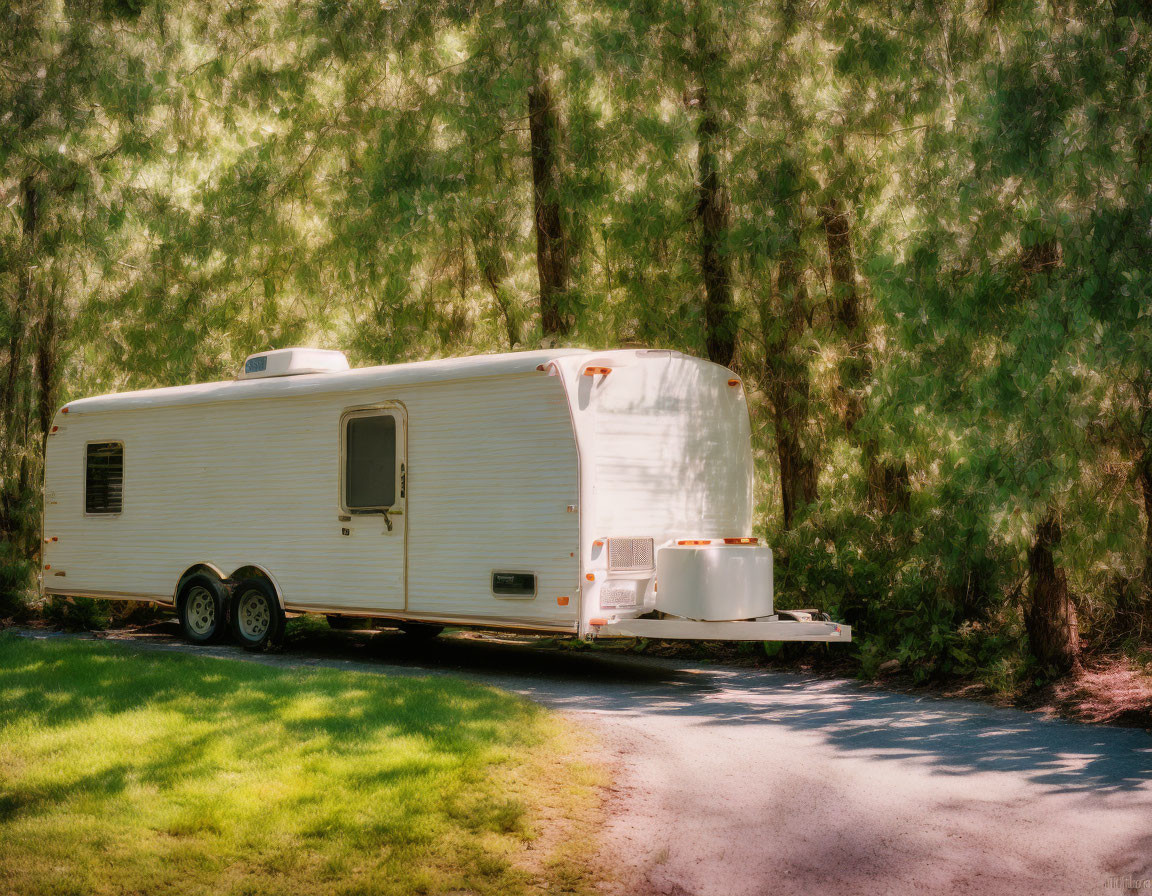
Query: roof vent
point(292, 362)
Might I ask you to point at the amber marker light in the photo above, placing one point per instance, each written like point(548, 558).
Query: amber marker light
point(741, 541)
point(562, 601)
point(695, 541)
point(597, 621)
point(733, 382)
point(598, 543)
point(597, 371)
point(591, 577)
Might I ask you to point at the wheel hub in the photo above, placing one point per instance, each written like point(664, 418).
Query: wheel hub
point(253, 615)
point(200, 611)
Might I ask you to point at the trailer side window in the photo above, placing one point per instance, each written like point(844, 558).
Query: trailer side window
point(104, 478)
point(369, 462)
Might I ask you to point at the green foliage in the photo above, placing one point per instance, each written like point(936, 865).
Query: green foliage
point(77, 613)
point(16, 577)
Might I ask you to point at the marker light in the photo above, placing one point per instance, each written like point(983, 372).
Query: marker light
point(591, 577)
point(741, 541)
point(562, 601)
point(695, 541)
point(733, 382)
point(594, 371)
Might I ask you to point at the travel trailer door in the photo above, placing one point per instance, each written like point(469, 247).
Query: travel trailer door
point(373, 506)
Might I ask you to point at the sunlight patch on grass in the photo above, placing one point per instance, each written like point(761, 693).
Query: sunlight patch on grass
point(124, 773)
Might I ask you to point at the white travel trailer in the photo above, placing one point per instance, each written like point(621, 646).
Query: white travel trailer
point(597, 494)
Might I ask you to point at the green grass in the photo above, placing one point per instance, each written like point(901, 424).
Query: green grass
point(167, 773)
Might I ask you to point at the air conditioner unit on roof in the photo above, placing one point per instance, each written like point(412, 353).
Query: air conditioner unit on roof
point(292, 362)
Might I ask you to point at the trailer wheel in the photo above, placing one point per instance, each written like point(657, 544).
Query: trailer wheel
point(420, 631)
point(200, 607)
point(257, 620)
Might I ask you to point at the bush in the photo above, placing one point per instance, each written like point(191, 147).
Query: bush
point(15, 585)
point(77, 613)
point(912, 589)
point(134, 612)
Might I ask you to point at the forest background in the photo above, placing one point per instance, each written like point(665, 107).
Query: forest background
point(921, 232)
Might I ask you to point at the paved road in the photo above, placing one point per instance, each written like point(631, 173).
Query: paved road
point(731, 782)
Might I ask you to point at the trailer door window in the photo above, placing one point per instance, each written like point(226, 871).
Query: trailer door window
point(369, 462)
point(104, 477)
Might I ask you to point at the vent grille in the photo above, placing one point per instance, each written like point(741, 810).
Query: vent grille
point(631, 553)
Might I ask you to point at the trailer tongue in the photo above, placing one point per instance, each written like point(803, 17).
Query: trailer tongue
point(771, 628)
point(715, 589)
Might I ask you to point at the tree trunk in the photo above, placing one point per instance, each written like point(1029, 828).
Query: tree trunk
point(14, 407)
point(1053, 630)
point(488, 241)
point(1146, 489)
point(787, 384)
point(889, 488)
point(551, 247)
point(11, 383)
point(30, 218)
point(720, 320)
point(856, 366)
point(888, 484)
point(503, 305)
point(842, 266)
point(47, 364)
point(790, 394)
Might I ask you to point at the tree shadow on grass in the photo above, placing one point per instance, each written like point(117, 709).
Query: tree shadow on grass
point(60, 686)
point(951, 737)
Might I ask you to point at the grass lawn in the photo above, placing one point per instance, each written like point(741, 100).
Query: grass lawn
point(123, 772)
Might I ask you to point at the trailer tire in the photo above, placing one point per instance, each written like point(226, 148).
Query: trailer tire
point(420, 631)
point(201, 607)
point(257, 619)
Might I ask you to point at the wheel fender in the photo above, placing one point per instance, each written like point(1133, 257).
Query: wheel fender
point(266, 574)
point(191, 571)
